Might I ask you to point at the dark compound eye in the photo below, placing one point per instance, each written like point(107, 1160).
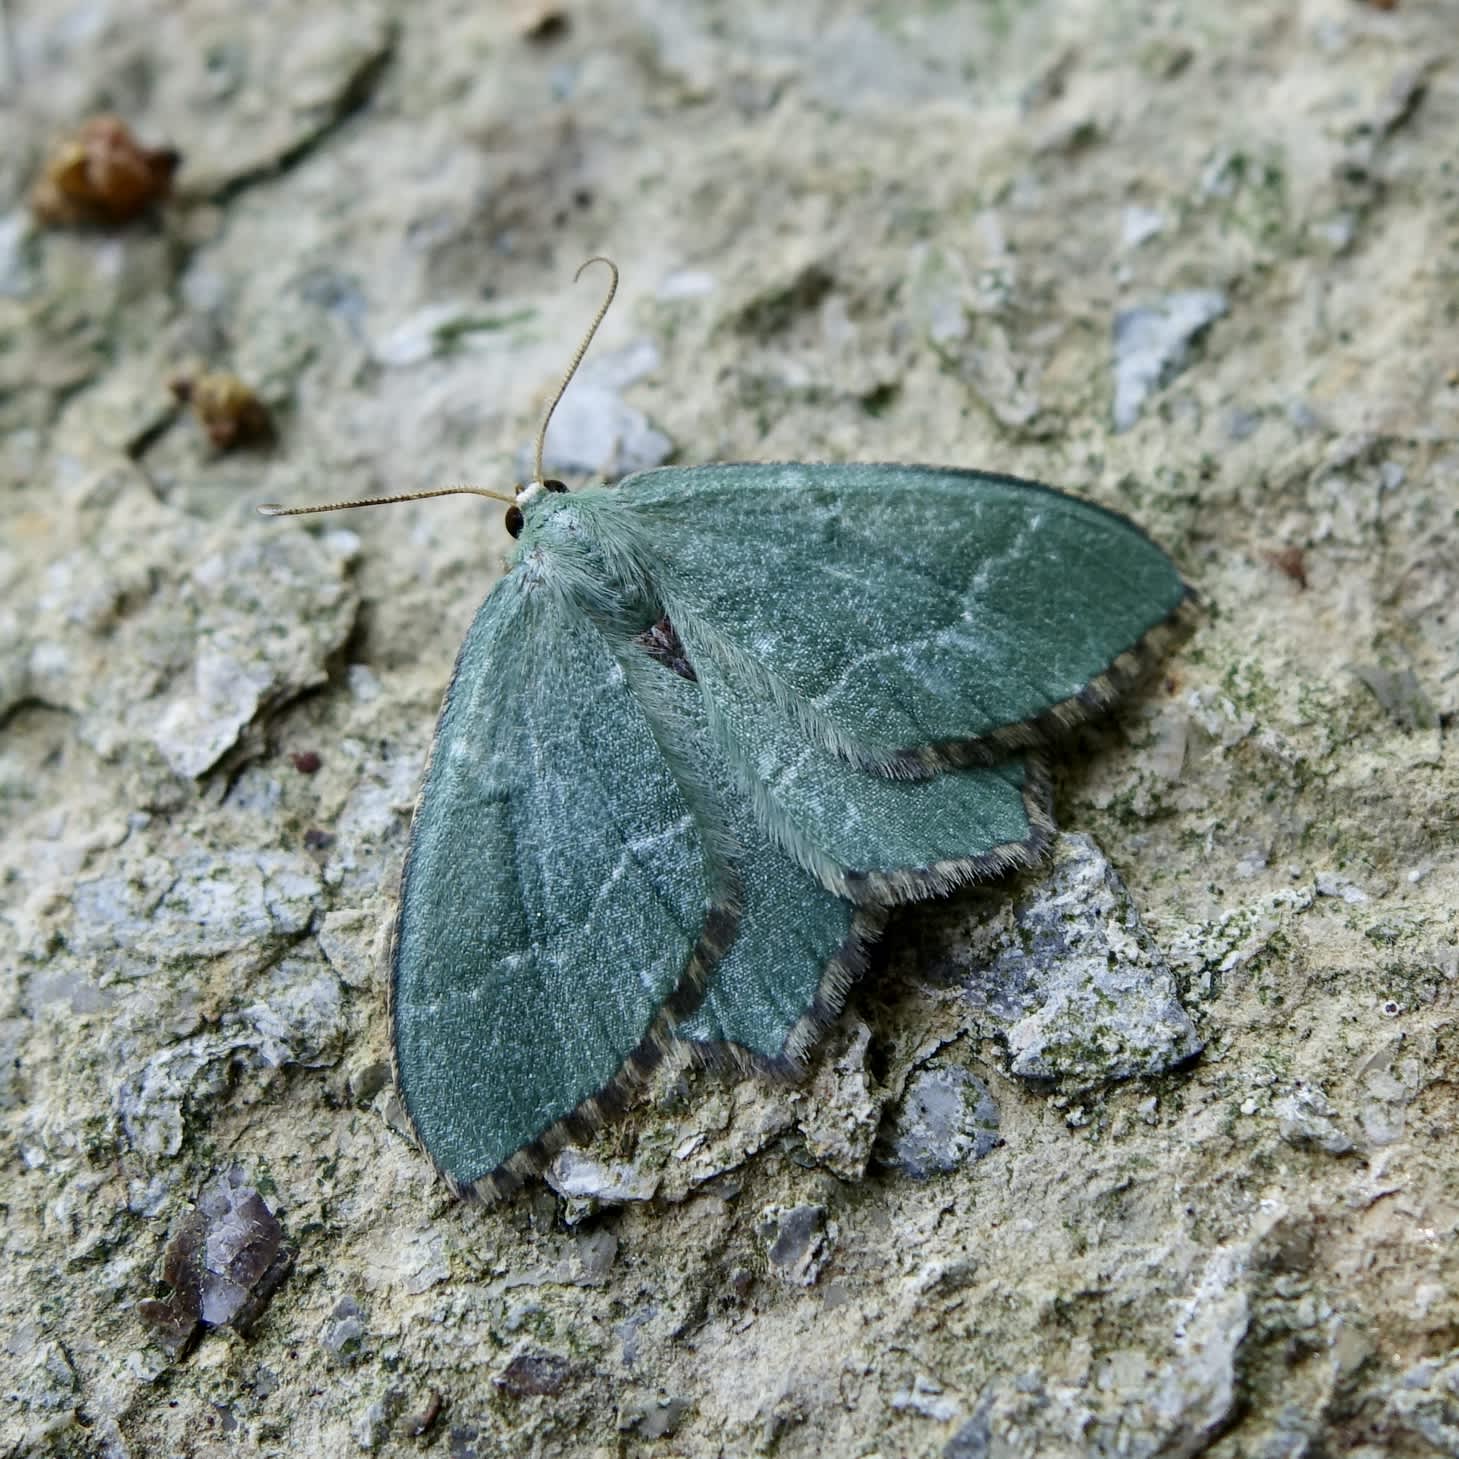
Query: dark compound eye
point(514, 520)
point(553, 486)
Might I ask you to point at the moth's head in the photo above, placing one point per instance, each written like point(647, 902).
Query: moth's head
point(525, 496)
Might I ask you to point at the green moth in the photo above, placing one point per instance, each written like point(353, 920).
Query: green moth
point(711, 724)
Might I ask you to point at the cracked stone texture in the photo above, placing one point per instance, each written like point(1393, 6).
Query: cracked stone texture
point(874, 232)
point(1063, 973)
point(946, 1118)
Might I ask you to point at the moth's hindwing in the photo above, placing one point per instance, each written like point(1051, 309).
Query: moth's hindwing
point(798, 946)
point(871, 837)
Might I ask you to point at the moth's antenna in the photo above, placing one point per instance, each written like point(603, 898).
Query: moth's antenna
point(275, 509)
point(577, 359)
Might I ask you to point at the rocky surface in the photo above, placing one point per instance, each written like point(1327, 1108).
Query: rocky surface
point(1152, 1153)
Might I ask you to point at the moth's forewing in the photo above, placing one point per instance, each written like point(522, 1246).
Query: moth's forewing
point(555, 905)
point(910, 610)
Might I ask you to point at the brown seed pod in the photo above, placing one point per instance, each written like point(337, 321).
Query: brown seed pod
point(540, 20)
point(227, 409)
point(101, 174)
